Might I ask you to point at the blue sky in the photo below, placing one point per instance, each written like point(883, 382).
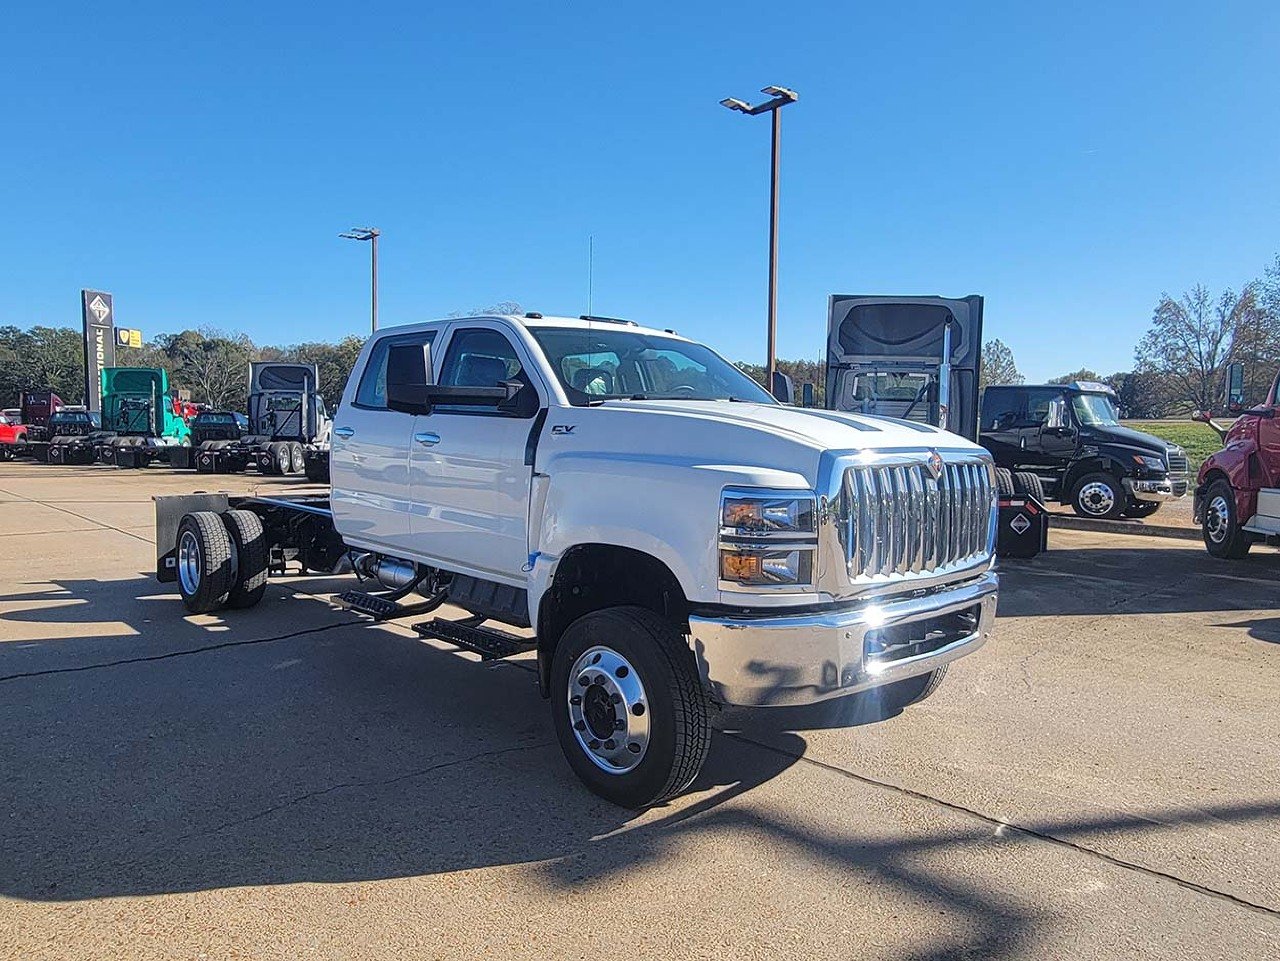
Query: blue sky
point(1069, 162)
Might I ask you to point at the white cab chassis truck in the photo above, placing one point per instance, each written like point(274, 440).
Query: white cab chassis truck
point(664, 535)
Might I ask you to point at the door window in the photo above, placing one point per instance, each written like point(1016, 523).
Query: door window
point(372, 391)
point(479, 357)
point(1000, 409)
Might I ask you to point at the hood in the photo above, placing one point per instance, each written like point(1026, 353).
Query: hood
point(1126, 437)
point(817, 429)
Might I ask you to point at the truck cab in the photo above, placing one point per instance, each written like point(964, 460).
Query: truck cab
point(1237, 501)
point(1070, 436)
point(141, 417)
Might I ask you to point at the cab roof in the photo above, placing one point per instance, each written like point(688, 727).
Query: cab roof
point(536, 321)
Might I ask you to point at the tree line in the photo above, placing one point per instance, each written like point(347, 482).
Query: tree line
point(1178, 364)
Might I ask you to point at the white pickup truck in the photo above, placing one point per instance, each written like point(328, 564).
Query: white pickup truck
point(667, 536)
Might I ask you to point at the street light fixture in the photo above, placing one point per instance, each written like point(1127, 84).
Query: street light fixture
point(780, 97)
point(370, 234)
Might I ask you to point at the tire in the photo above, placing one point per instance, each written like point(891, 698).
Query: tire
point(1028, 485)
point(297, 462)
point(204, 561)
point(1099, 495)
point(281, 459)
point(249, 544)
point(669, 713)
point(1141, 508)
point(1004, 482)
point(902, 694)
point(1223, 536)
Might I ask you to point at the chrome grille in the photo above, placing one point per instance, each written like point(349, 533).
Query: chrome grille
point(1177, 462)
point(898, 520)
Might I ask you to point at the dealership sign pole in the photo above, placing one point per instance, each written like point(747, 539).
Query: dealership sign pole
point(99, 342)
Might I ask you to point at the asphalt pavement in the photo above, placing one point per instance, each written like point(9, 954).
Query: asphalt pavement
point(1101, 781)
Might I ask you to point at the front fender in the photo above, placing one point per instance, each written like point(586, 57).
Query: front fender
point(1234, 462)
point(666, 508)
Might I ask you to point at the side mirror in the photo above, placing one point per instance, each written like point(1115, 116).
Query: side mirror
point(1234, 387)
point(807, 396)
point(409, 378)
point(784, 392)
point(1202, 416)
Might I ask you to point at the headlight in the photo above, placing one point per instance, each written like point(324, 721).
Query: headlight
point(766, 567)
point(767, 538)
point(1150, 463)
point(753, 514)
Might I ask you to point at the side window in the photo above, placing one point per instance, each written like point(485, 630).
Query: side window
point(1000, 409)
point(1039, 403)
point(485, 358)
point(372, 391)
point(479, 358)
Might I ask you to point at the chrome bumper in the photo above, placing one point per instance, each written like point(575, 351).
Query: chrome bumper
point(1166, 489)
point(805, 658)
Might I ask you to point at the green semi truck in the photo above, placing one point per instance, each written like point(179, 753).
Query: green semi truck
point(143, 420)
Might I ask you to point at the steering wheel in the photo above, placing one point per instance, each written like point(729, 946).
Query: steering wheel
point(687, 388)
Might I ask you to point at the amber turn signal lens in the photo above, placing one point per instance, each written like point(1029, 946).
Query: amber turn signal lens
point(739, 567)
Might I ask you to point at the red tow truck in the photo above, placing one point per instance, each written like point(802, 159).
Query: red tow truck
point(1237, 501)
point(28, 424)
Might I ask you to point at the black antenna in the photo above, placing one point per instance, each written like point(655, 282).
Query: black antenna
point(591, 262)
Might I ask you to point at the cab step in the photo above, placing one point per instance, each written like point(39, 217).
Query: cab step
point(379, 608)
point(486, 642)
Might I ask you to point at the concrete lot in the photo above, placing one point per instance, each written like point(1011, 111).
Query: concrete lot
point(1101, 781)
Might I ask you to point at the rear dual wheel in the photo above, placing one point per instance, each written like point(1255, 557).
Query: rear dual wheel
point(221, 559)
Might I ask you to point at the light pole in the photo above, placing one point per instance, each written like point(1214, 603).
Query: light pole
point(370, 234)
point(780, 97)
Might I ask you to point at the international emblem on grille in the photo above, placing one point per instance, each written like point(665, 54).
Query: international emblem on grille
point(934, 463)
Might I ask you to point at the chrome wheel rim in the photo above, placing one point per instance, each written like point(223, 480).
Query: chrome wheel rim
point(608, 710)
point(1096, 498)
point(189, 563)
point(1217, 519)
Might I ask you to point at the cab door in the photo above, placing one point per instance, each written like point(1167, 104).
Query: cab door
point(369, 457)
point(469, 476)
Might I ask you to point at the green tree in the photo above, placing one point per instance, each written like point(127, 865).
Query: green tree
point(1189, 343)
point(1084, 373)
point(998, 365)
point(41, 358)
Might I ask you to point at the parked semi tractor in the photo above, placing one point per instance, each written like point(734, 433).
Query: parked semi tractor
point(1237, 500)
point(142, 419)
point(287, 430)
point(662, 534)
point(917, 360)
point(75, 436)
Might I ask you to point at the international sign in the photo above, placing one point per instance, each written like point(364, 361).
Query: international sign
point(1020, 523)
point(97, 312)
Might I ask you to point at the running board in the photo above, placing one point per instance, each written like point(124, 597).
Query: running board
point(381, 609)
point(486, 642)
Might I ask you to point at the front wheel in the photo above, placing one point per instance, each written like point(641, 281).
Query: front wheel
point(629, 709)
point(1098, 495)
point(1223, 536)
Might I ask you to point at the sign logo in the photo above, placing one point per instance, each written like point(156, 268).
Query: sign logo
point(563, 428)
point(99, 308)
point(128, 337)
point(1020, 523)
point(934, 463)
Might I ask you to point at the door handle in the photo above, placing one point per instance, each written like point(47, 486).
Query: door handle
point(427, 439)
point(344, 431)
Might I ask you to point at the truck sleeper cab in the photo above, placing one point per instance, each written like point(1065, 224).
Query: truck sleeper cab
point(668, 536)
point(1070, 436)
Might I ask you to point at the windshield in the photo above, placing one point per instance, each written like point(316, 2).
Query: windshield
point(625, 364)
point(1095, 410)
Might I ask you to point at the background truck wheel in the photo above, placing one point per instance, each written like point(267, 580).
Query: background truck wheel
point(1004, 482)
point(297, 463)
point(283, 462)
point(203, 561)
point(1028, 484)
point(1098, 495)
point(628, 706)
point(1223, 536)
point(249, 547)
point(902, 694)
point(1141, 508)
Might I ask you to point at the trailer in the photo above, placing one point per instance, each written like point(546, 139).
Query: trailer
point(287, 430)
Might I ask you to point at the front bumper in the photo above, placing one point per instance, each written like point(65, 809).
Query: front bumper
point(1158, 489)
point(804, 658)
